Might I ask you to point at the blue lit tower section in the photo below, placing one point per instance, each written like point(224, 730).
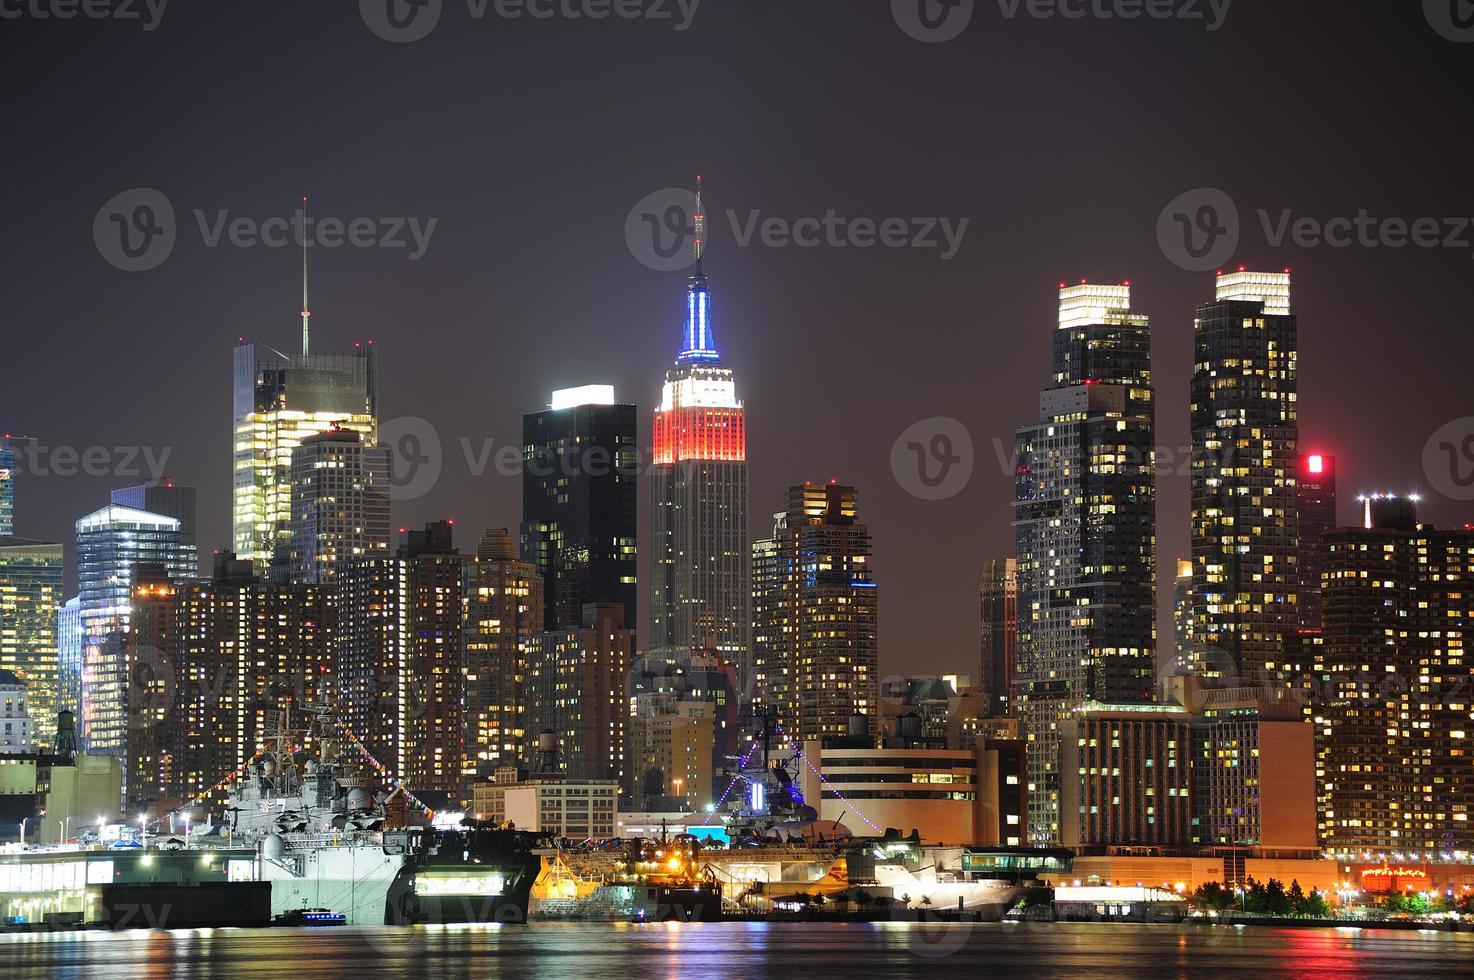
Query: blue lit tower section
point(700, 564)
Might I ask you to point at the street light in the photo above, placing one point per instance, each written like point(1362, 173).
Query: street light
point(23, 832)
point(143, 828)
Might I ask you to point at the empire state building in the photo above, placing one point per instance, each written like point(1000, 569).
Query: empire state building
point(700, 564)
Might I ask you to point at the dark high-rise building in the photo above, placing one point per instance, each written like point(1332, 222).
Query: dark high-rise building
point(1394, 720)
point(340, 506)
point(1315, 508)
point(815, 640)
point(1084, 519)
point(401, 658)
point(503, 612)
point(576, 690)
point(698, 513)
point(211, 662)
point(998, 615)
point(1244, 507)
point(579, 496)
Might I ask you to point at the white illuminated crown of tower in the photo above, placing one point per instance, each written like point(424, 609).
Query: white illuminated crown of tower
point(1092, 303)
point(1270, 288)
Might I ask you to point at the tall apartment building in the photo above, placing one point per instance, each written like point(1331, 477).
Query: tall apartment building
point(575, 689)
point(211, 660)
point(340, 506)
point(503, 612)
point(1245, 439)
point(815, 642)
point(400, 658)
point(1084, 523)
point(1397, 715)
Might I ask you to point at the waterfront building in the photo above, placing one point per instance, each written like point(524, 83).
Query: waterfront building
point(401, 659)
point(30, 596)
point(579, 496)
point(998, 622)
point(1394, 717)
point(967, 796)
point(815, 644)
point(340, 506)
point(549, 803)
point(1084, 522)
point(503, 611)
point(1245, 443)
point(111, 543)
point(698, 507)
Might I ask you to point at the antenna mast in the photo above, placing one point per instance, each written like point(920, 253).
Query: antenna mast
point(699, 220)
point(306, 313)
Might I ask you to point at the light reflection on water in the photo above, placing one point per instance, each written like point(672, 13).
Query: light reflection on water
point(732, 950)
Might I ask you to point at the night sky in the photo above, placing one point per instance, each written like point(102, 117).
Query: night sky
point(530, 142)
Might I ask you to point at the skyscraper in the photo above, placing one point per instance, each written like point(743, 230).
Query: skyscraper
point(167, 499)
point(1182, 617)
point(340, 506)
point(1315, 508)
point(1394, 722)
point(815, 641)
point(579, 498)
point(30, 595)
point(698, 508)
point(1084, 516)
point(111, 543)
point(1244, 510)
point(71, 645)
point(503, 611)
point(7, 488)
point(279, 401)
point(400, 657)
point(998, 617)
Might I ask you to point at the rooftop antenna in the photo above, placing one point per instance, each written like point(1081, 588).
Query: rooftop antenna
point(699, 219)
point(306, 313)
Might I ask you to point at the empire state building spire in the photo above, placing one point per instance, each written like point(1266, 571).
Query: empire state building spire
point(699, 342)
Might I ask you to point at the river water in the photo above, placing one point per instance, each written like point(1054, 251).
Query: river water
point(735, 950)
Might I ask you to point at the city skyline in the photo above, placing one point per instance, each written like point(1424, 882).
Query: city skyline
point(529, 259)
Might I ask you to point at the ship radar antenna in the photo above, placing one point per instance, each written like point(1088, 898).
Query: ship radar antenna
point(306, 312)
